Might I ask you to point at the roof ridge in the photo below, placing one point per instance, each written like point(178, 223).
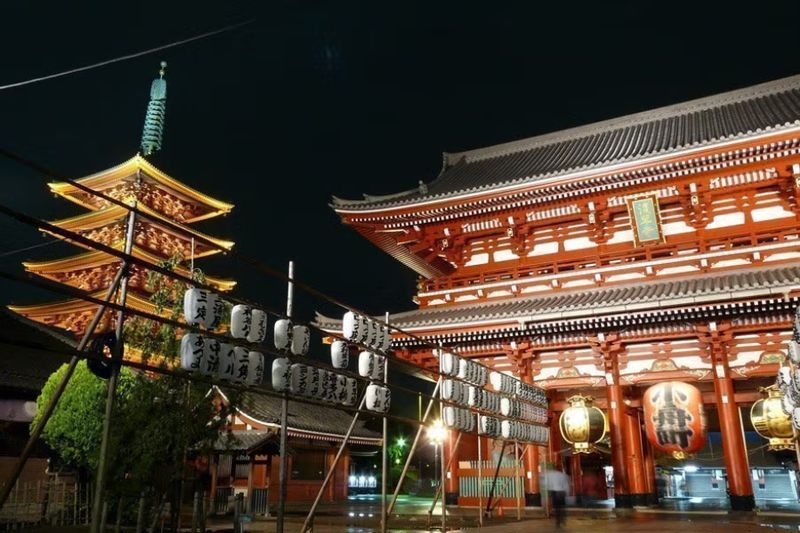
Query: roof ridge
point(649, 115)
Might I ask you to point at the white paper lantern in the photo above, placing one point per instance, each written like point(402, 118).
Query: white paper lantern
point(227, 362)
point(191, 352)
point(241, 364)
point(449, 364)
point(298, 380)
point(258, 330)
point(301, 340)
point(340, 354)
point(212, 354)
point(488, 425)
point(314, 388)
point(372, 333)
point(794, 351)
point(387, 340)
point(449, 416)
point(354, 327)
point(241, 321)
point(350, 391)
point(281, 374)
point(202, 308)
point(366, 364)
point(255, 369)
point(453, 391)
point(378, 398)
point(796, 419)
point(329, 387)
point(282, 334)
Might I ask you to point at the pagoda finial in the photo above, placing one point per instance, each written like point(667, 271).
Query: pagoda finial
point(155, 117)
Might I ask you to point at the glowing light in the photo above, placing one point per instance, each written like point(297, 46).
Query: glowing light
point(401, 442)
point(437, 432)
point(690, 468)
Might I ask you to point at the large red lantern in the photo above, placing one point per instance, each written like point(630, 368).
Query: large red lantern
point(674, 418)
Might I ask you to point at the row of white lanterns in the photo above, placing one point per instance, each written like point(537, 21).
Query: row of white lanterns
point(364, 330)
point(210, 357)
point(512, 430)
point(454, 366)
point(311, 382)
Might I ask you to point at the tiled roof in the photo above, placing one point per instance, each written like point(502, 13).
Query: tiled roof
point(648, 296)
point(248, 441)
point(741, 113)
point(303, 416)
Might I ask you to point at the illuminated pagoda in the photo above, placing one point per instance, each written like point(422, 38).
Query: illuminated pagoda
point(602, 259)
point(165, 202)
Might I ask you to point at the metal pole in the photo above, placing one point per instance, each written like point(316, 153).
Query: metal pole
point(118, 352)
point(494, 481)
point(413, 446)
point(385, 447)
point(284, 420)
point(518, 484)
point(480, 484)
point(62, 385)
point(310, 518)
point(444, 468)
point(449, 462)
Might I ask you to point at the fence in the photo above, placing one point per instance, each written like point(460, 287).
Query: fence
point(50, 502)
point(508, 482)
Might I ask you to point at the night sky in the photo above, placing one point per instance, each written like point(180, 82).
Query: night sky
point(321, 98)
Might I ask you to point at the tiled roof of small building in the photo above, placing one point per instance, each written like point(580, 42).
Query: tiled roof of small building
point(303, 416)
point(737, 114)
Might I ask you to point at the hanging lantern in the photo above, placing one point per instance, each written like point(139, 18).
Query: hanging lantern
point(282, 334)
point(354, 327)
point(226, 369)
point(340, 354)
point(202, 308)
point(386, 342)
point(212, 349)
point(281, 373)
point(794, 351)
point(771, 422)
point(346, 390)
point(301, 339)
point(241, 364)
point(582, 424)
point(314, 382)
point(453, 391)
point(674, 418)
point(255, 368)
point(258, 330)
point(329, 387)
point(298, 380)
point(378, 398)
point(191, 352)
point(488, 425)
point(448, 364)
point(371, 365)
point(241, 321)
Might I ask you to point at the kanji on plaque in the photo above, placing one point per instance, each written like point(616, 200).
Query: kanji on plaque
point(674, 419)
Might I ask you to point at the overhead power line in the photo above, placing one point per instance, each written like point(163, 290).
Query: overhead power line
point(126, 57)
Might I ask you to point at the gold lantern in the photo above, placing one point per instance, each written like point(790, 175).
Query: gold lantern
point(771, 422)
point(582, 424)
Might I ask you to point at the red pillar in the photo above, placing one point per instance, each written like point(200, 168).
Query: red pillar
point(533, 496)
point(740, 486)
point(451, 485)
point(634, 459)
point(577, 477)
point(649, 471)
point(554, 446)
point(616, 423)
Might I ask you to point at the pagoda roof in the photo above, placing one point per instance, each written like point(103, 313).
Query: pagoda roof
point(655, 296)
point(666, 131)
point(47, 313)
point(97, 258)
point(116, 213)
point(127, 172)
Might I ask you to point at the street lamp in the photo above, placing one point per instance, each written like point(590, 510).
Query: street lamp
point(436, 436)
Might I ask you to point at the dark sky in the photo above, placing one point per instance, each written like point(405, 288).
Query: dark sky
point(322, 98)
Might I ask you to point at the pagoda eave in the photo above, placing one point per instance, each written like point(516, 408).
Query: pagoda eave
point(107, 179)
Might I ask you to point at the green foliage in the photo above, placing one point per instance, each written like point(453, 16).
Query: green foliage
point(157, 419)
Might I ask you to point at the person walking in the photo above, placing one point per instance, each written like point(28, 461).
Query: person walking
point(557, 484)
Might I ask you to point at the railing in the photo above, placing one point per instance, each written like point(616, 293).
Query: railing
point(46, 502)
point(259, 502)
point(223, 500)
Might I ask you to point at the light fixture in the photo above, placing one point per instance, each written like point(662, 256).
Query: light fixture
point(690, 469)
point(437, 432)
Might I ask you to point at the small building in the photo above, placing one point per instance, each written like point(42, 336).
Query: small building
point(246, 460)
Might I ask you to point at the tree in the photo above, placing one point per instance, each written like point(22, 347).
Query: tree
point(157, 418)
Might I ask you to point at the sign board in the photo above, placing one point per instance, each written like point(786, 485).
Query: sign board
point(645, 220)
